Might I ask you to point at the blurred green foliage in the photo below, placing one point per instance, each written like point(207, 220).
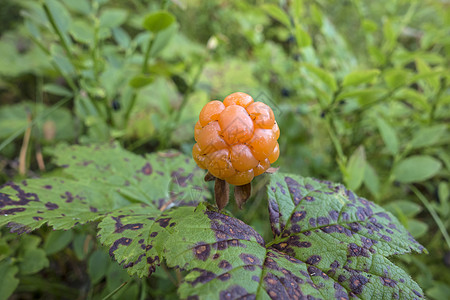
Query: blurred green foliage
point(360, 90)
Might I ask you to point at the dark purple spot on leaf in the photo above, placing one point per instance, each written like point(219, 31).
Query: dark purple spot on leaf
point(388, 282)
point(249, 259)
point(225, 265)
point(357, 283)
point(122, 241)
point(68, 196)
point(153, 260)
point(298, 216)
point(296, 228)
point(280, 186)
point(355, 250)
point(334, 215)
point(309, 199)
point(12, 211)
point(147, 169)
point(203, 277)
point(202, 251)
point(163, 222)
point(313, 259)
point(271, 264)
point(179, 179)
point(121, 227)
point(322, 221)
point(236, 292)
point(224, 277)
point(275, 288)
point(386, 238)
point(51, 206)
point(227, 228)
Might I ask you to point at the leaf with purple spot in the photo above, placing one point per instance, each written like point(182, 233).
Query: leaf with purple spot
point(137, 235)
point(344, 236)
point(97, 180)
point(227, 259)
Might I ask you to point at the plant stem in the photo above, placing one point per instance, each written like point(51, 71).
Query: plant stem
point(147, 55)
point(433, 213)
point(115, 291)
point(69, 80)
point(24, 149)
point(58, 32)
point(436, 99)
point(335, 141)
point(130, 107)
point(143, 289)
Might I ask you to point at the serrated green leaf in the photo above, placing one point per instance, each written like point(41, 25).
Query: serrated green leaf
point(360, 76)
point(137, 236)
point(328, 242)
point(158, 21)
point(388, 135)
point(417, 168)
point(101, 178)
point(356, 168)
point(340, 236)
point(9, 282)
point(428, 136)
point(277, 13)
